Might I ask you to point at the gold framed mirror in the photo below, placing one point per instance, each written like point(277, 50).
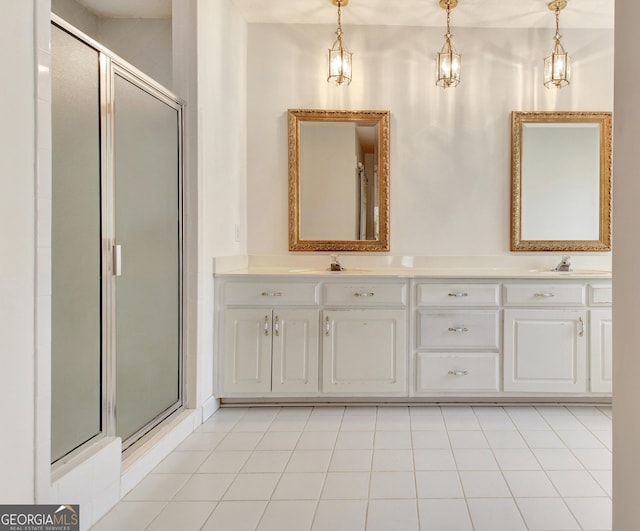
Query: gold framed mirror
point(560, 181)
point(338, 180)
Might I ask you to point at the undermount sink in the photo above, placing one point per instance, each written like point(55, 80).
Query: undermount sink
point(572, 272)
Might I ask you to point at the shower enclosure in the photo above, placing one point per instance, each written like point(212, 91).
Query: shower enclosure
point(116, 247)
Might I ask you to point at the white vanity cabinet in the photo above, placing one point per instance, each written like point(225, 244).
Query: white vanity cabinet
point(545, 338)
point(601, 330)
point(364, 338)
point(271, 348)
point(457, 337)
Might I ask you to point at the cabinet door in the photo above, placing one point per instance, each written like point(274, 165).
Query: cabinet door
point(545, 351)
point(364, 351)
point(247, 351)
point(295, 351)
point(601, 351)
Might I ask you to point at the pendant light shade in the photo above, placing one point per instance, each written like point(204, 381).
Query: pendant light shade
point(448, 60)
point(557, 67)
point(339, 57)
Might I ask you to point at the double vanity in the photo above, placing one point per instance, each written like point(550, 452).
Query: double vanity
point(425, 328)
point(413, 334)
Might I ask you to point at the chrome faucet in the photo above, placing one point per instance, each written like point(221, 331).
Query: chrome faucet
point(335, 264)
point(564, 265)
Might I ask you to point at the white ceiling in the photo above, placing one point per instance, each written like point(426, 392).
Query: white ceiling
point(469, 13)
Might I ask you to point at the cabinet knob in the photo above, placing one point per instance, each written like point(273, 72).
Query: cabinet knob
point(458, 329)
point(458, 373)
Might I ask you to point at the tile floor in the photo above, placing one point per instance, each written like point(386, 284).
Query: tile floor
point(381, 469)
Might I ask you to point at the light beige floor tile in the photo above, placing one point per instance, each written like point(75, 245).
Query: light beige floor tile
point(221, 462)
point(309, 461)
point(392, 460)
point(392, 485)
point(392, 440)
point(204, 442)
point(237, 441)
point(346, 486)
point(530, 484)
point(235, 516)
point(434, 459)
point(392, 515)
point(516, 459)
point(157, 487)
point(181, 463)
point(129, 516)
point(183, 515)
point(591, 513)
point(354, 440)
point(202, 487)
point(252, 487)
point(299, 486)
point(351, 460)
point(267, 461)
point(575, 483)
point(496, 514)
point(287, 515)
point(279, 440)
point(317, 440)
point(340, 515)
point(438, 484)
point(484, 484)
point(547, 514)
point(444, 515)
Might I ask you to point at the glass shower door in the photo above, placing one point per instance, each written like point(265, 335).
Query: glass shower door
point(76, 265)
point(147, 235)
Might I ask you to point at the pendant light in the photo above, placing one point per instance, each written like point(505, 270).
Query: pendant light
point(557, 67)
point(447, 60)
point(339, 56)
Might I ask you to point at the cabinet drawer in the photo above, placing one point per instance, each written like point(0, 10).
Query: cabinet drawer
point(458, 295)
point(544, 294)
point(365, 294)
point(458, 329)
point(271, 293)
point(600, 295)
point(458, 372)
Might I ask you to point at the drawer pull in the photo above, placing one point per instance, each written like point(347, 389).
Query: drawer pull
point(364, 294)
point(458, 294)
point(458, 373)
point(458, 329)
point(546, 295)
point(266, 325)
point(581, 323)
point(276, 325)
point(271, 294)
point(326, 325)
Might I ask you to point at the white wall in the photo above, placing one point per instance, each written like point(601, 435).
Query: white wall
point(222, 153)
point(17, 258)
point(450, 149)
point(626, 285)
point(145, 43)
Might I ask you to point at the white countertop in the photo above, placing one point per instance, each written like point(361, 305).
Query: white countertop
point(539, 268)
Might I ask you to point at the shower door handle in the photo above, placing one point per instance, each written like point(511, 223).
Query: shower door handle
point(117, 260)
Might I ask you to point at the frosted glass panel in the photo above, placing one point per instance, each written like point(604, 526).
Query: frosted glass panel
point(75, 246)
point(147, 227)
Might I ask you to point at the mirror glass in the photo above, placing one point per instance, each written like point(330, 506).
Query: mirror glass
point(561, 181)
point(338, 180)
